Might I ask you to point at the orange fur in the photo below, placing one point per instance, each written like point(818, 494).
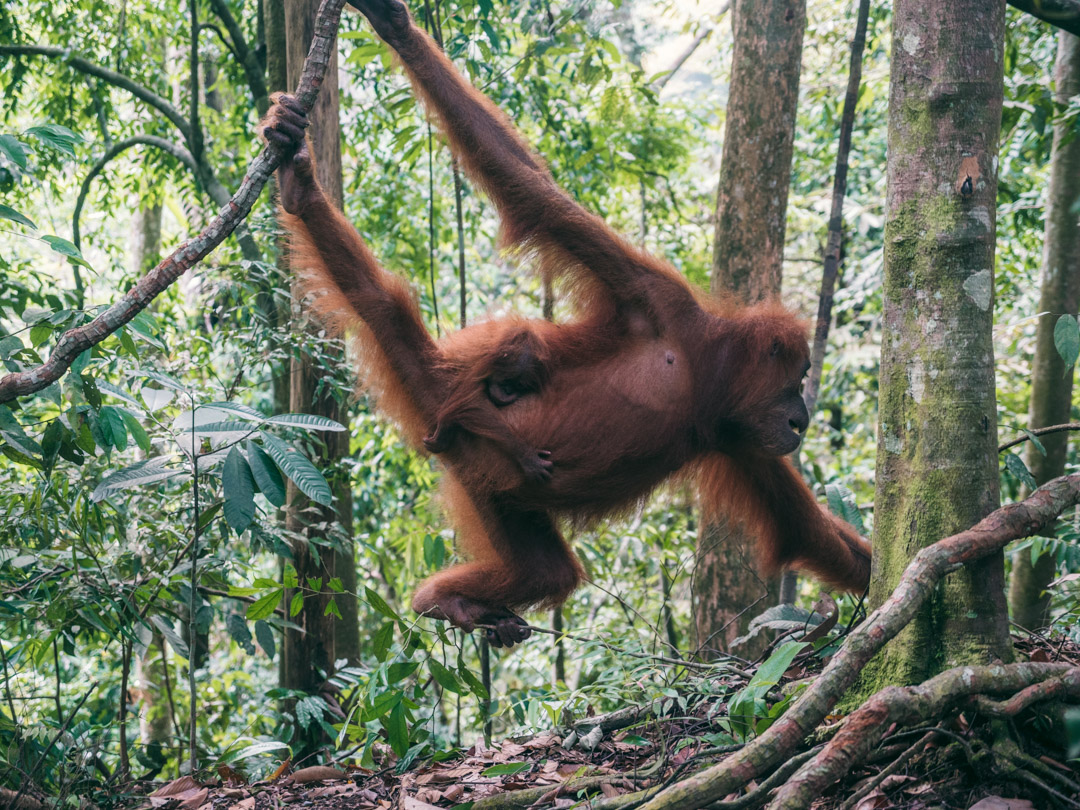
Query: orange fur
point(651, 378)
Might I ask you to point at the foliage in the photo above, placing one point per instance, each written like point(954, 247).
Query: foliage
point(100, 472)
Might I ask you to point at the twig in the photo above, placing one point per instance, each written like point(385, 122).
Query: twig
point(75, 341)
point(1038, 432)
point(649, 656)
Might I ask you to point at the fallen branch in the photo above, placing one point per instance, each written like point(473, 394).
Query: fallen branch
point(865, 727)
point(75, 341)
point(930, 565)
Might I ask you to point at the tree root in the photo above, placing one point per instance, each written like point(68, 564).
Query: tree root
point(918, 582)
point(865, 727)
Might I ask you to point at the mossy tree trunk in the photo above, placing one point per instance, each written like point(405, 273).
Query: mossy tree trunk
point(1051, 382)
point(309, 653)
point(937, 463)
point(748, 256)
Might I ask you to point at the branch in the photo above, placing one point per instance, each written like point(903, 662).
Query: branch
point(865, 727)
point(177, 151)
point(208, 26)
point(1038, 432)
point(244, 55)
point(930, 565)
point(1063, 14)
point(111, 76)
point(836, 214)
point(75, 341)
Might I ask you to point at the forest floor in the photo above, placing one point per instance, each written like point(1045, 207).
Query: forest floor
point(643, 750)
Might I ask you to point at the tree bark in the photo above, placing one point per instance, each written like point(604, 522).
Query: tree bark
point(748, 253)
point(937, 462)
point(1051, 381)
point(309, 654)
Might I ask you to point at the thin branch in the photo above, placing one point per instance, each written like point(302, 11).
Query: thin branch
point(177, 151)
point(1038, 432)
point(111, 76)
point(208, 26)
point(1063, 14)
point(836, 214)
point(918, 582)
point(253, 71)
point(195, 142)
point(75, 341)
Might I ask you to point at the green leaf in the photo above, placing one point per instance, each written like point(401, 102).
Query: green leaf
point(309, 710)
point(137, 475)
point(9, 345)
point(1035, 441)
point(236, 408)
point(238, 486)
point(397, 730)
point(1015, 465)
point(175, 641)
point(58, 137)
point(384, 637)
point(137, 432)
point(379, 603)
point(254, 751)
point(144, 325)
point(475, 684)
point(40, 332)
point(265, 636)
point(507, 769)
point(264, 606)
point(238, 629)
point(15, 150)
point(7, 212)
point(1067, 340)
point(266, 473)
point(399, 671)
point(113, 423)
point(66, 248)
point(770, 673)
point(445, 678)
point(842, 504)
point(297, 604)
point(51, 442)
point(305, 421)
point(296, 466)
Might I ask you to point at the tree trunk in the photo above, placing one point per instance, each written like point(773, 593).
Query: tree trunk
point(748, 256)
point(937, 461)
point(1051, 382)
point(309, 654)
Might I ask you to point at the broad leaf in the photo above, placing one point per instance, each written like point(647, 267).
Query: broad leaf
point(239, 488)
point(267, 476)
point(302, 472)
point(305, 421)
point(7, 212)
point(1067, 340)
point(137, 475)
